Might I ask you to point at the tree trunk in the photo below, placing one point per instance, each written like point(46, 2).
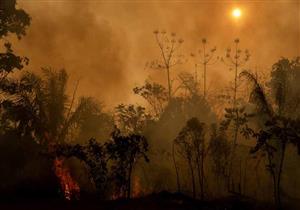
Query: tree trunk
point(169, 83)
point(129, 182)
point(272, 171)
point(193, 178)
point(278, 191)
point(176, 169)
point(202, 176)
point(199, 175)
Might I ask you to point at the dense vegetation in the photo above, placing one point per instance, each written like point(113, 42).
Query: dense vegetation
point(186, 140)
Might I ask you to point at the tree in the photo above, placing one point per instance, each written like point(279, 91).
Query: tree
point(94, 155)
point(206, 59)
point(131, 119)
point(236, 113)
point(155, 94)
point(219, 149)
point(125, 151)
point(279, 127)
point(185, 149)
point(191, 146)
point(97, 124)
point(168, 46)
point(13, 21)
point(188, 84)
point(236, 61)
point(40, 108)
point(285, 91)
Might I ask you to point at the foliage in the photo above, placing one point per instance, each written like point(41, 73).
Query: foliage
point(279, 129)
point(131, 119)
point(220, 151)
point(13, 21)
point(284, 86)
point(190, 145)
point(236, 118)
point(40, 106)
point(125, 151)
point(168, 45)
point(206, 58)
point(110, 163)
point(188, 83)
point(155, 94)
point(94, 155)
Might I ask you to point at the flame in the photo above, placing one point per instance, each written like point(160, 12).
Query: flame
point(69, 186)
point(136, 188)
point(116, 196)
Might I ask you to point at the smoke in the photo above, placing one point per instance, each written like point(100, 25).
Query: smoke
point(106, 44)
point(71, 36)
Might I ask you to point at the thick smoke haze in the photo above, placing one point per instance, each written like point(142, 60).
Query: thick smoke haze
point(106, 44)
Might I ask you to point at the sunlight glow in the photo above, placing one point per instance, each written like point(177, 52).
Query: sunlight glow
point(236, 13)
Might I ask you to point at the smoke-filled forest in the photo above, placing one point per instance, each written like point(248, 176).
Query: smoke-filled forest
point(149, 105)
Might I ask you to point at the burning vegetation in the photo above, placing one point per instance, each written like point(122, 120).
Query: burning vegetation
point(69, 187)
point(187, 146)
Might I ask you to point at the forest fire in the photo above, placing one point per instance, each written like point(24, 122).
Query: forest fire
point(136, 188)
point(166, 105)
point(69, 186)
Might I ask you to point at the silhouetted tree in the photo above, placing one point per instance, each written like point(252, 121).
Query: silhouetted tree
point(207, 58)
point(219, 149)
point(13, 21)
point(125, 152)
point(284, 86)
point(97, 124)
point(168, 45)
point(236, 61)
point(236, 112)
point(94, 155)
point(155, 94)
point(40, 108)
point(188, 84)
point(191, 146)
point(131, 119)
point(279, 127)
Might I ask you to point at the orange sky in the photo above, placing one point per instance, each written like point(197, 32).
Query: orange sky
point(107, 43)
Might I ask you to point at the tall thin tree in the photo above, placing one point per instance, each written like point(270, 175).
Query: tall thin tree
point(168, 45)
point(207, 57)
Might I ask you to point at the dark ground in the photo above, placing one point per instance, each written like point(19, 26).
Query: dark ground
point(163, 200)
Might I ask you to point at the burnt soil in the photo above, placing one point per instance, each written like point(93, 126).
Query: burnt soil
point(159, 201)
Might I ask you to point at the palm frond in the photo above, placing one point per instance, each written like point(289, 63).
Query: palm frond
point(257, 95)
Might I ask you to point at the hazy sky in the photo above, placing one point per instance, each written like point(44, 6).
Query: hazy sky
point(107, 43)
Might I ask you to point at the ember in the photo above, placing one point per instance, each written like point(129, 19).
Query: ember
point(69, 187)
point(136, 188)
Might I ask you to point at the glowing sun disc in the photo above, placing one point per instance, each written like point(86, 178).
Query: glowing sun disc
point(236, 13)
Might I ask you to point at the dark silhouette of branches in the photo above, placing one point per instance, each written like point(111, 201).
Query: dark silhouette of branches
point(236, 60)
point(125, 151)
point(168, 45)
point(206, 58)
point(278, 130)
point(190, 145)
point(13, 21)
point(155, 94)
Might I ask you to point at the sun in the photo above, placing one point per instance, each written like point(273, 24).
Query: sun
point(236, 13)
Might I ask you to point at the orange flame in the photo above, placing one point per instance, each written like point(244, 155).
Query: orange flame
point(69, 187)
point(136, 188)
point(116, 196)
